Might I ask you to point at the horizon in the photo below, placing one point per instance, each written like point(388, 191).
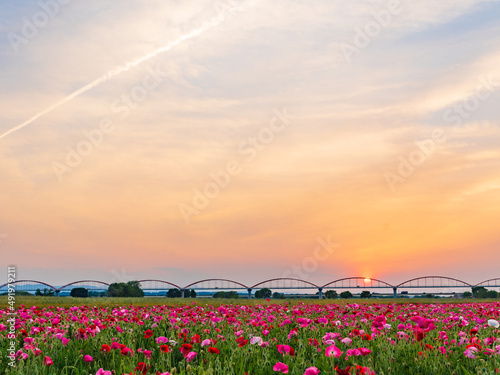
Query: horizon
point(247, 140)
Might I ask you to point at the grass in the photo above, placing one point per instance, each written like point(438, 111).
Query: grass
point(65, 302)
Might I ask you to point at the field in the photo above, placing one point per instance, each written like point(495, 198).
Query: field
point(148, 336)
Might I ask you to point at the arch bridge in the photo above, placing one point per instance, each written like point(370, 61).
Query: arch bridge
point(280, 283)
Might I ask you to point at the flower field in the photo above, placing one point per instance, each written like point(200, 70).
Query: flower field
point(267, 338)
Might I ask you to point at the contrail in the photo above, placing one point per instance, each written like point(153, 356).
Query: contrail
point(123, 68)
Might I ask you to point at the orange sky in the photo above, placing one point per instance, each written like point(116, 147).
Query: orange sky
point(306, 143)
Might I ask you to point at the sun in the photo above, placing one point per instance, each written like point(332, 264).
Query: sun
point(367, 280)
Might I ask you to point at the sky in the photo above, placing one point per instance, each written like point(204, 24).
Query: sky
point(249, 140)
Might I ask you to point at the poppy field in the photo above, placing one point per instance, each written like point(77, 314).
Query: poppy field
point(252, 339)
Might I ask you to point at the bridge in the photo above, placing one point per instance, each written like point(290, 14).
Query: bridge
point(97, 287)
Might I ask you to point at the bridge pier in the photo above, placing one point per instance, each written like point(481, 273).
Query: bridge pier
point(182, 291)
point(395, 289)
point(320, 293)
point(57, 293)
point(249, 293)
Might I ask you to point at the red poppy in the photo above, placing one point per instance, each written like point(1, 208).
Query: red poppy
point(343, 372)
point(213, 350)
point(185, 349)
point(313, 342)
point(196, 338)
point(47, 361)
point(241, 341)
point(148, 334)
point(366, 336)
point(141, 366)
point(105, 348)
point(126, 351)
point(164, 348)
point(419, 335)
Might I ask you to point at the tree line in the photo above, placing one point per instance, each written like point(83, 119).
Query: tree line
point(133, 289)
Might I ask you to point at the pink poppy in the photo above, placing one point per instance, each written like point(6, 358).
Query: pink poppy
point(47, 361)
point(364, 351)
point(311, 371)
point(190, 356)
point(285, 349)
point(346, 340)
point(161, 340)
point(281, 367)
point(333, 350)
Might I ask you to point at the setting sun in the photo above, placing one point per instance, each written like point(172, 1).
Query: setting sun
point(367, 280)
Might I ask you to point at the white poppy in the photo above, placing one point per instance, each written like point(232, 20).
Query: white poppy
point(493, 323)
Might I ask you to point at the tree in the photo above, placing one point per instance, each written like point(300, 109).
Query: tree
point(331, 294)
point(79, 293)
point(231, 294)
point(365, 294)
point(189, 293)
point(277, 295)
point(219, 295)
point(46, 292)
point(479, 291)
point(129, 289)
point(174, 293)
point(346, 294)
point(263, 293)
point(482, 292)
point(467, 295)
point(491, 294)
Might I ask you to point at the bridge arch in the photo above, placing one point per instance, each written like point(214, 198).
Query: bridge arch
point(29, 287)
point(281, 283)
point(216, 284)
point(357, 282)
point(155, 284)
point(430, 282)
point(84, 281)
point(494, 283)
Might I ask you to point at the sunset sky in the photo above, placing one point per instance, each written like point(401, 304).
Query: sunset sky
point(370, 124)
